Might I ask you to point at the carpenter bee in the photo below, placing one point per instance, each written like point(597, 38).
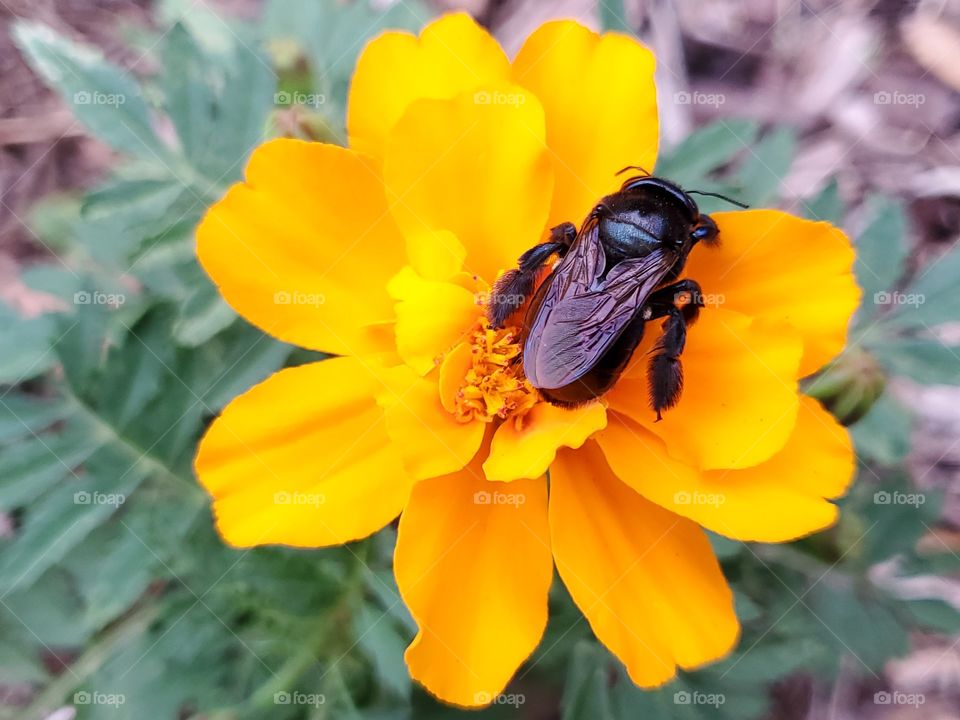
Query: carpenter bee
point(615, 275)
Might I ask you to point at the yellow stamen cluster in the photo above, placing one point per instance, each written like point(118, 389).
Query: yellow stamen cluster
point(494, 387)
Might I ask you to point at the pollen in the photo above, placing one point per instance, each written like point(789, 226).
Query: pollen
point(494, 386)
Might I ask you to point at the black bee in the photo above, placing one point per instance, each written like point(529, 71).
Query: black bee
point(619, 272)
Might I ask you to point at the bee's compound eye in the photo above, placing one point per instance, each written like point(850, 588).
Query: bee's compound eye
point(706, 230)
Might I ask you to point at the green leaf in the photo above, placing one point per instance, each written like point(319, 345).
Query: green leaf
point(881, 253)
point(765, 167)
point(936, 615)
point(203, 314)
point(926, 361)
point(932, 297)
point(23, 415)
point(384, 647)
point(883, 434)
point(613, 16)
point(827, 206)
point(706, 150)
point(25, 346)
point(585, 693)
point(104, 97)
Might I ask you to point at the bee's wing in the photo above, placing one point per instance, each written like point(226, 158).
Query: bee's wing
point(579, 318)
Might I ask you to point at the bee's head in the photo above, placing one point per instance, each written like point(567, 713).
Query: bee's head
point(705, 231)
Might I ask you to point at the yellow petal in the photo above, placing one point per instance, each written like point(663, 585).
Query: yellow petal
point(739, 401)
point(452, 55)
point(526, 448)
point(436, 255)
point(432, 317)
point(475, 165)
point(645, 579)
point(426, 435)
point(304, 248)
point(601, 106)
point(779, 267)
point(473, 566)
point(304, 459)
point(784, 498)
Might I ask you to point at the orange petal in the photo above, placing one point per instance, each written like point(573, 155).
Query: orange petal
point(739, 401)
point(432, 317)
point(475, 165)
point(473, 565)
point(645, 579)
point(601, 106)
point(294, 247)
point(781, 499)
point(773, 265)
point(304, 459)
point(452, 55)
point(427, 436)
point(525, 448)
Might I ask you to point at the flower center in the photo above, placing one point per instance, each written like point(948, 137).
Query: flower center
point(494, 385)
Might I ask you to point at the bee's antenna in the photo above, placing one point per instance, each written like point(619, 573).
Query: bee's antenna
point(718, 195)
point(634, 167)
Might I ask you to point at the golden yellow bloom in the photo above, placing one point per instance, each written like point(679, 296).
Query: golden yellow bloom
point(382, 254)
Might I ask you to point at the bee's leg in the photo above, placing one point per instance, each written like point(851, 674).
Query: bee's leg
point(665, 373)
point(515, 286)
point(680, 303)
point(685, 294)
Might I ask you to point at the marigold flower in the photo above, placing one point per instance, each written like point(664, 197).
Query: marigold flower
point(383, 253)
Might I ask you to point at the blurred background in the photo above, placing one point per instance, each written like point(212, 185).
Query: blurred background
point(122, 120)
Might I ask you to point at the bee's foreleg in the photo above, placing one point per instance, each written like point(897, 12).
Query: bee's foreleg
point(685, 294)
point(515, 286)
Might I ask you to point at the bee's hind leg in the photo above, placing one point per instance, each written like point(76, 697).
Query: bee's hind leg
point(680, 303)
point(515, 286)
